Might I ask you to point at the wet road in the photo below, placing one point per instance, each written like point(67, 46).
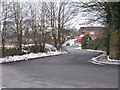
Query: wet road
point(71, 70)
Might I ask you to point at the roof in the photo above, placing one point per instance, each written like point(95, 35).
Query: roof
point(88, 29)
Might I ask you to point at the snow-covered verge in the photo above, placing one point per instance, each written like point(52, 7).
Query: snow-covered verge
point(71, 42)
point(103, 59)
point(95, 50)
point(30, 56)
point(111, 59)
point(78, 48)
point(52, 51)
point(50, 47)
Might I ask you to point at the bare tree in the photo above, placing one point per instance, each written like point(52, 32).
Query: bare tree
point(43, 26)
point(52, 17)
point(4, 16)
point(60, 14)
point(33, 23)
point(38, 23)
point(17, 10)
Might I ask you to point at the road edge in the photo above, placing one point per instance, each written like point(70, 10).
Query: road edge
point(102, 60)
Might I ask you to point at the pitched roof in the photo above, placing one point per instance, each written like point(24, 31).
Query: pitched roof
point(96, 29)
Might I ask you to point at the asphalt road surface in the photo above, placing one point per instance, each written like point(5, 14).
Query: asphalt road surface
point(72, 70)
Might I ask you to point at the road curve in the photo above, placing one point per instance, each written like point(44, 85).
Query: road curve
point(72, 70)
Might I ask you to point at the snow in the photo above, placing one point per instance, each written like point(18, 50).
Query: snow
point(97, 60)
point(102, 60)
point(111, 59)
point(78, 48)
point(52, 52)
point(30, 56)
point(92, 33)
point(82, 35)
point(50, 47)
point(71, 42)
point(9, 46)
point(28, 45)
point(94, 50)
point(90, 50)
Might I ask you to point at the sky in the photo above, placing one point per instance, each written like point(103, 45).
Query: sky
point(62, 0)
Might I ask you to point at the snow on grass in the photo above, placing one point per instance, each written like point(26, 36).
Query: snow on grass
point(97, 60)
point(102, 59)
point(50, 47)
point(82, 35)
point(9, 46)
point(78, 48)
point(94, 50)
point(71, 42)
point(52, 51)
point(111, 59)
point(30, 56)
point(91, 50)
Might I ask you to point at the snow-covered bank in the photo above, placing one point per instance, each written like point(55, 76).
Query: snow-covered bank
point(51, 51)
point(30, 56)
point(102, 59)
point(78, 48)
point(71, 42)
point(111, 59)
point(94, 50)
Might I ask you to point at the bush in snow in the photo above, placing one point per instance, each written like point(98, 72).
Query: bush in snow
point(11, 52)
point(33, 48)
point(49, 47)
point(26, 49)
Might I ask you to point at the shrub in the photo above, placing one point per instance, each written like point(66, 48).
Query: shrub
point(11, 52)
point(34, 49)
point(85, 41)
point(96, 44)
point(115, 45)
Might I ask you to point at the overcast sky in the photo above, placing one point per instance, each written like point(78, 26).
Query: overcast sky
point(62, 0)
point(76, 21)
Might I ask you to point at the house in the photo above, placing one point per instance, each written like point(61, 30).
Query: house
point(93, 32)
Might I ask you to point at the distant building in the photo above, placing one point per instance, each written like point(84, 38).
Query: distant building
point(93, 32)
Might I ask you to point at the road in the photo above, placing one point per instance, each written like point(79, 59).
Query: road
point(72, 70)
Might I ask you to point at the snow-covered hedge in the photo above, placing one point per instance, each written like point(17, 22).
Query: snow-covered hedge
point(51, 52)
point(30, 56)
